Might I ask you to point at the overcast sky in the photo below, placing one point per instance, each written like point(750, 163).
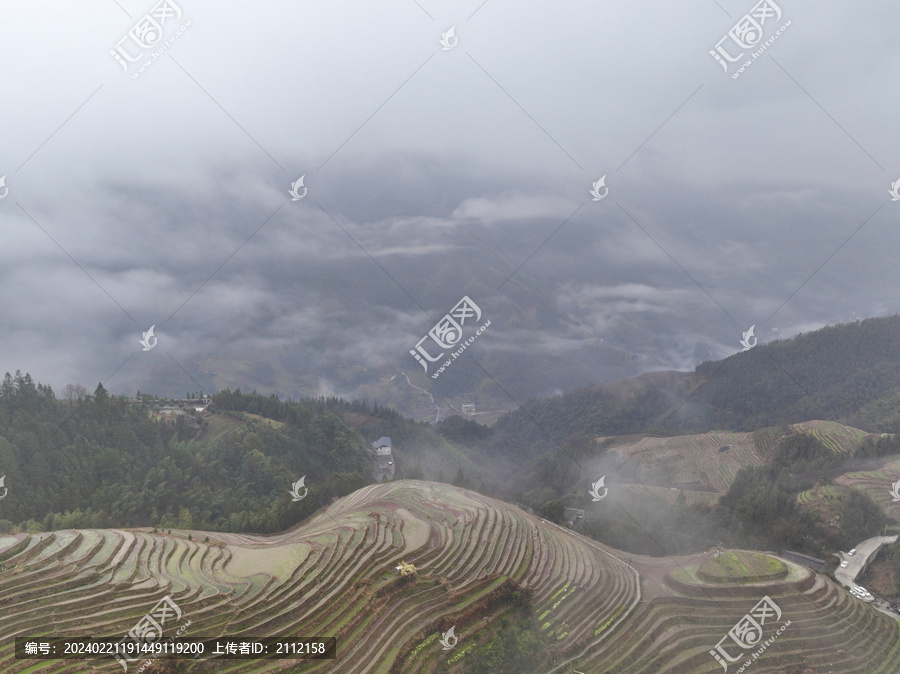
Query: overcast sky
point(162, 198)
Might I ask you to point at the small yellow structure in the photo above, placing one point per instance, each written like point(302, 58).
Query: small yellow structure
point(405, 569)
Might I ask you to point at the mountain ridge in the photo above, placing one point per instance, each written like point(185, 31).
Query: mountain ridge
point(848, 373)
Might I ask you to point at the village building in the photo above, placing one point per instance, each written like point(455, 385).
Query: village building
point(383, 457)
point(383, 453)
point(572, 515)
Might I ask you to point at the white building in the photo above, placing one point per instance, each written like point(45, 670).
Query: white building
point(384, 458)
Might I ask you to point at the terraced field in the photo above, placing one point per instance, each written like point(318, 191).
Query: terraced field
point(334, 576)
point(705, 463)
point(837, 437)
point(822, 627)
point(669, 494)
point(821, 493)
point(878, 484)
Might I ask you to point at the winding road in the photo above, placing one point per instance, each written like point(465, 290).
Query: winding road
point(437, 416)
point(865, 553)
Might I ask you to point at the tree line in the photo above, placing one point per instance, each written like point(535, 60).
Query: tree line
point(96, 461)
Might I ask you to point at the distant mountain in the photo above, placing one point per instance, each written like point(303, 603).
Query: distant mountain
point(848, 373)
point(360, 349)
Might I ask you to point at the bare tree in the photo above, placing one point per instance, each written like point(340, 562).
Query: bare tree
point(74, 392)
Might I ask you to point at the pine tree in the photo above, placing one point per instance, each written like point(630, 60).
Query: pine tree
point(101, 395)
point(460, 479)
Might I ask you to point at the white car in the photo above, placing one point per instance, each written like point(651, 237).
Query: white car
point(844, 564)
point(852, 552)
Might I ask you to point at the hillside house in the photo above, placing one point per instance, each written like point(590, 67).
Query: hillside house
point(572, 515)
point(384, 457)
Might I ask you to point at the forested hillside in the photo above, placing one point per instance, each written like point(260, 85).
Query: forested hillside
point(848, 373)
point(97, 461)
point(843, 373)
